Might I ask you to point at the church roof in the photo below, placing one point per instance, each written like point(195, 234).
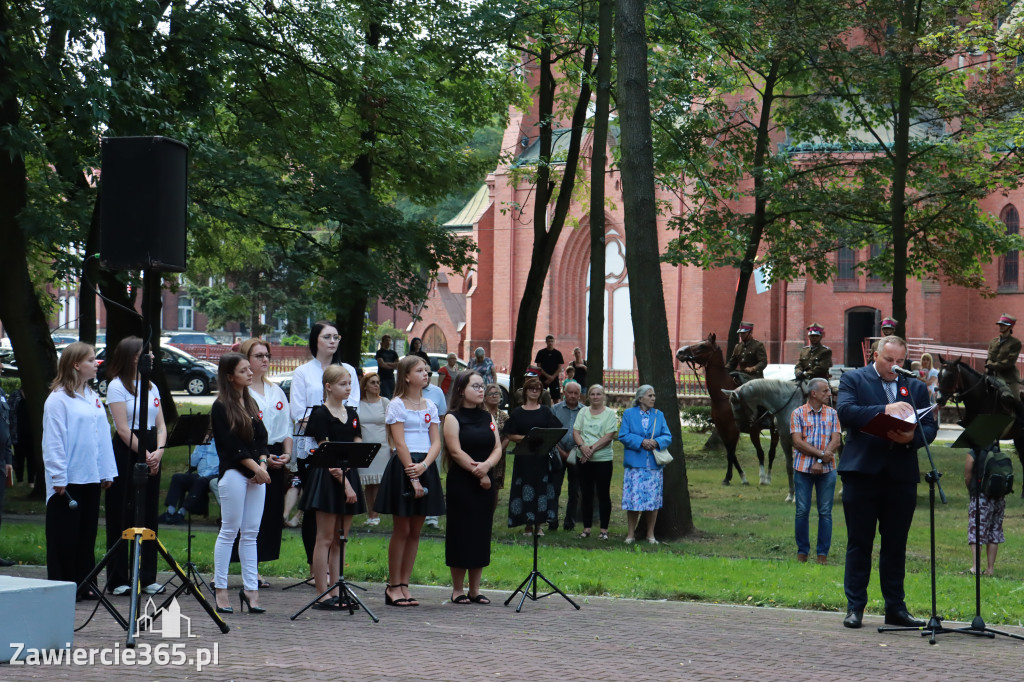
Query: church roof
point(465, 219)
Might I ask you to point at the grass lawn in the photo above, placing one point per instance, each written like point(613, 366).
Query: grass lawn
point(743, 551)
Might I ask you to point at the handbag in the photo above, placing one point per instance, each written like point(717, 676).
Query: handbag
point(661, 456)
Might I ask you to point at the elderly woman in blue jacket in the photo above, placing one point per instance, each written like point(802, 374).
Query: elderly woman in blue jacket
point(643, 431)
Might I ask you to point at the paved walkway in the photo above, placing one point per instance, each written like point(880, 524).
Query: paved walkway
point(608, 639)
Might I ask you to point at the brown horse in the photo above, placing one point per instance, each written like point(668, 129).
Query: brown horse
point(980, 395)
point(708, 355)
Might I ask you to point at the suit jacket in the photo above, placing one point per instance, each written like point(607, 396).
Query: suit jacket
point(861, 398)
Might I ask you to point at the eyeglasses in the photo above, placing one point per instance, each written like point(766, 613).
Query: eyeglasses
point(262, 356)
point(476, 387)
point(492, 394)
point(331, 337)
point(533, 388)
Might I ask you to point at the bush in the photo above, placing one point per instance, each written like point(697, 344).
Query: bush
point(10, 384)
point(698, 418)
point(294, 340)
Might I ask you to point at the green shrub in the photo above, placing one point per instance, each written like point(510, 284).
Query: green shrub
point(698, 418)
point(10, 384)
point(294, 340)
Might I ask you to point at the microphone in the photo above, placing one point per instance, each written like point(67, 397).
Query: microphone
point(905, 372)
point(72, 503)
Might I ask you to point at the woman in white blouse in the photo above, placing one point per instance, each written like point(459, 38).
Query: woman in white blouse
point(372, 409)
point(132, 444)
point(307, 392)
point(78, 458)
point(274, 412)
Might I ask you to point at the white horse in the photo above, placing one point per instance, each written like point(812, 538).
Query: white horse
point(778, 398)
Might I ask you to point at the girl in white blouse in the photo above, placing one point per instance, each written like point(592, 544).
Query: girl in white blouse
point(130, 444)
point(273, 406)
point(79, 460)
point(410, 489)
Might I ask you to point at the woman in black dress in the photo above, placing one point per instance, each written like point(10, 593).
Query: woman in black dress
point(474, 448)
point(527, 503)
point(334, 495)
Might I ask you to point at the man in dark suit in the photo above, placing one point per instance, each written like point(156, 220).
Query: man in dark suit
point(880, 477)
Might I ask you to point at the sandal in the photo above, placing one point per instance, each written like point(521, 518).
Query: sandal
point(480, 599)
point(603, 535)
point(585, 534)
point(461, 599)
point(389, 601)
point(263, 584)
point(411, 601)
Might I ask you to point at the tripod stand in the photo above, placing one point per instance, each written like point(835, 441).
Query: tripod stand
point(138, 534)
point(535, 448)
point(984, 428)
point(343, 456)
point(190, 430)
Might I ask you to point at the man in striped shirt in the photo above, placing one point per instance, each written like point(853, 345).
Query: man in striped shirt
point(815, 428)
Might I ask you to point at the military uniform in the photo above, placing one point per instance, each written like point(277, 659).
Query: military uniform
point(749, 353)
point(815, 361)
point(1002, 361)
point(887, 323)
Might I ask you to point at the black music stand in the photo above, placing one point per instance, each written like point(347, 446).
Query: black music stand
point(300, 432)
point(538, 443)
point(334, 455)
point(981, 436)
point(190, 430)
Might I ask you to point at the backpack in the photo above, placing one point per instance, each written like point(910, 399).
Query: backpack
point(996, 473)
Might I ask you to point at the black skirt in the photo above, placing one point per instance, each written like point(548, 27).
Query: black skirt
point(323, 492)
point(390, 498)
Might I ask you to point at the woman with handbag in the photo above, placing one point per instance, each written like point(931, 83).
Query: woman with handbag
point(644, 433)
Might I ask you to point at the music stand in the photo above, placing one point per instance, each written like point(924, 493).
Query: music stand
point(300, 432)
point(335, 455)
point(981, 436)
point(538, 443)
point(190, 430)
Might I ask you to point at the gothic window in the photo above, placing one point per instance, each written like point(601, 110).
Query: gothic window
point(1009, 262)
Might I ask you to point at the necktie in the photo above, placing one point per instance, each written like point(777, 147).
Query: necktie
point(890, 390)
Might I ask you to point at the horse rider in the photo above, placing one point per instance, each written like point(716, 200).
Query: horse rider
point(1001, 364)
point(815, 358)
point(748, 358)
point(888, 329)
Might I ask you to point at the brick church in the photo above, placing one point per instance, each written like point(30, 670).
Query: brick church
point(479, 308)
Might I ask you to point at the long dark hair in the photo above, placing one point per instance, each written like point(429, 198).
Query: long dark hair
point(239, 419)
point(123, 362)
point(314, 336)
point(458, 390)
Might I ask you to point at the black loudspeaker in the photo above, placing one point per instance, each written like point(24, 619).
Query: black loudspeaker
point(143, 203)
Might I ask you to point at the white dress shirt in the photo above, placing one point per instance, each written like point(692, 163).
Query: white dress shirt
point(77, 448)
point(274, 411)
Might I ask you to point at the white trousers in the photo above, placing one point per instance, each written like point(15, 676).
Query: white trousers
point(241, 509)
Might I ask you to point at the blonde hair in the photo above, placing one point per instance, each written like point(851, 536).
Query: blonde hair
point(67, 375)
point(332, 374)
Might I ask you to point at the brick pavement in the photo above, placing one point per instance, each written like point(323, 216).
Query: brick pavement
point(608, 639)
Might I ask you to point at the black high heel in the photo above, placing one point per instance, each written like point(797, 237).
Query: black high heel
point(243, 602)
point(389, 601)
point(224, 609)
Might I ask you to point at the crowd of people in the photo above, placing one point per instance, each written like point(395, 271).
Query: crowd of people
point(255, 461)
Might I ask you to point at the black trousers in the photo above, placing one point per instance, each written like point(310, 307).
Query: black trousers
point(120, 508)
point(189, 492)
point(871, 502)
point(308, 520)
point(569, 474)
point(595, 479)
point(71, 533)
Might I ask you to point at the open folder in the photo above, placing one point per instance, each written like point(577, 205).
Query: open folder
point(883, 423)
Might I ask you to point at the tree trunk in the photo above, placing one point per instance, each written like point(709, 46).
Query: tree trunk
point(544, 240)
point(598, 170)
point(646, 292)
point(23, 317)
point(758, 220)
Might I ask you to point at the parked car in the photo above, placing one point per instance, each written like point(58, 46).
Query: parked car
point(184, 372)
point(192, 339)
point(283, 380)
